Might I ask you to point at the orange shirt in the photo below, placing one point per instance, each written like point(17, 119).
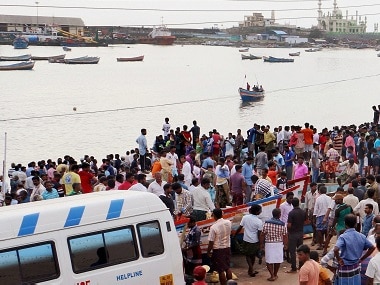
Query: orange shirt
point(308, 135)
point(272, 174)
point(309, 272)
point(156, 167)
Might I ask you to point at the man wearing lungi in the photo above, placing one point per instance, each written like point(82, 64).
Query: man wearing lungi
point(351, 245)
point(220, 245)
point(252, 229)
point(275, 237)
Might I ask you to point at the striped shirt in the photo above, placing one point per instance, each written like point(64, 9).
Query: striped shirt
point(263, 187)
point(332, 154)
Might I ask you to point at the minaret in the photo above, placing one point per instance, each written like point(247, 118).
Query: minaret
point(319, 19)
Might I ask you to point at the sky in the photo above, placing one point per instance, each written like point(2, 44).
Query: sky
point(189, 13)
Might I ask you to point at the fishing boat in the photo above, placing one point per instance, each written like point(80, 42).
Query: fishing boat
point(20, 43)
point(295, 53)
point(248, 95)
point(24, 65)
point(378, 55)
point(244, 50)
point(277, 59)
point(158, 36)
point(136, 58)
point(234, 214)
point(65, 48)
point(311, 50)
point(61, 56)
point(250, 56)
point(82, 60)
point(24, 57)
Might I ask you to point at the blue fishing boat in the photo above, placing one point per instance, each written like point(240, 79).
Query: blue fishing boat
point(248, 95)
point(20, 43)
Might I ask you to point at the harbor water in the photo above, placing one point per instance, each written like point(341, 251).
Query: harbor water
point(59, 109)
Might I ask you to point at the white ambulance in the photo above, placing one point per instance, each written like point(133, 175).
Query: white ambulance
point(103, 238)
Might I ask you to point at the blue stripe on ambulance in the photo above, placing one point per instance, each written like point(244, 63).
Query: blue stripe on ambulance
point(114, 210)
point(28, 225)
point(74, 217)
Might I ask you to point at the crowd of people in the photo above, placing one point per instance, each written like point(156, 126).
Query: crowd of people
point(195, 174)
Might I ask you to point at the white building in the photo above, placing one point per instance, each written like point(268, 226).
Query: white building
point(334, 22)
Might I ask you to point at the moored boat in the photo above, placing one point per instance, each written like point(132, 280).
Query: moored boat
point(158, 36)
point(24, 57)
point(234, 214)
point(295, 53)
point(24, 65)
point(136, 58)
point(244, 50)
point(249, 95)
point(277, 59)
point(250, 56)
point(82, 60)
point(61, 56)
point(20, 43)
point(65, 48)
point(378, 55)
point(311, 50)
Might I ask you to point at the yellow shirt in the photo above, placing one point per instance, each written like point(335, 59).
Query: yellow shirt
point(268, 137)
point(323, 275)
point(68, 180)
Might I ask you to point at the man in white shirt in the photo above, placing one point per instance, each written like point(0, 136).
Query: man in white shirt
point(286, 207)
point(140, 185)
point(320, 208)
point(359, 209)
point(202, 200)
point(373, 269)
point(38, 189)
point(186, 171)
point(157, 186)
point(310, 198)
point(350, 199)
point(173, 157)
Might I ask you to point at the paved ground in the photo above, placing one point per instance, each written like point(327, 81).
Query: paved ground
point(239, 267)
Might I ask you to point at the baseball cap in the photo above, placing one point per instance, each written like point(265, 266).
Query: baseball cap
point(199, 273)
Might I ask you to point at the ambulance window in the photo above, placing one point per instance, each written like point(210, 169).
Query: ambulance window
point(32, 264)
point(121, 245)
point(150, 239)
point(102, 249)
point(86, 251)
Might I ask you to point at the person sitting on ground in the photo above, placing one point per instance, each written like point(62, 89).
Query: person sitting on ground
point(324, 278)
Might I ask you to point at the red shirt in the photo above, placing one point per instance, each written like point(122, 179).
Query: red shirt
point(85, 178)
point(126, 185)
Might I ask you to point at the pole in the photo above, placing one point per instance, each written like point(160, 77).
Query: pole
point(37, 12)
point(4, 164)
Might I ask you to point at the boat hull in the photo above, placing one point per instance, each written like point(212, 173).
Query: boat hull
point(20, 43)
point(276, 59)
point(251, 57)
point(165, 40)
point(294, 53)
point(247, 95)
point(234, 214)
point(137, 58)
point(25, 65)
point(56, 57)
point(82, 60)
point(24, 57)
